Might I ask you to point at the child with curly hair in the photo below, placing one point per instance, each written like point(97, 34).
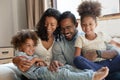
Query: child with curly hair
point(89, 11)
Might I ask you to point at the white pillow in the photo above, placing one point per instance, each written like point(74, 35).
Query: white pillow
point(9, 72)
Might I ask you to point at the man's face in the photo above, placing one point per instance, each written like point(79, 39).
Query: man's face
point(68, 28)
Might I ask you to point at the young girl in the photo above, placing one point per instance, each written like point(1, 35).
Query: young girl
point(89, 11)
point(24, 42)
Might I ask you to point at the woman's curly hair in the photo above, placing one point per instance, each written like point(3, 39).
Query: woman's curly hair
point(20, 38)
point(89, 8)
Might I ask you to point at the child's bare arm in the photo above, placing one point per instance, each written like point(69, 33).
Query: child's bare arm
point(38, 62)
point(115, 43)
point(77, 51)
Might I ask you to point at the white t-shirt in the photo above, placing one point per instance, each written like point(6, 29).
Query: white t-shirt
point(97, 44)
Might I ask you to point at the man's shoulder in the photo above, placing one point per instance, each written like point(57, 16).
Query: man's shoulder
point(60, 42)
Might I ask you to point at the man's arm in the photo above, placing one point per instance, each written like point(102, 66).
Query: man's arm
point(58, 58)
point(58, 52)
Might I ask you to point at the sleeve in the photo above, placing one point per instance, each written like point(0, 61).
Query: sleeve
point(78, 42)
point(58, 52)
point(20, 54)
point(107, 38)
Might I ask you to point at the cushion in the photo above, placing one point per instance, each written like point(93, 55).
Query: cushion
point(9, 72)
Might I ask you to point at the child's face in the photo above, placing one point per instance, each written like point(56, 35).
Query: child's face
point(51, 25)
point(28, 47)
point(88, 25)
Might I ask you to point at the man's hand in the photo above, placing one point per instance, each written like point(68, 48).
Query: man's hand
point(55, 65)
point(90, 55)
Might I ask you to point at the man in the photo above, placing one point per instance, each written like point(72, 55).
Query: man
point(63, 51)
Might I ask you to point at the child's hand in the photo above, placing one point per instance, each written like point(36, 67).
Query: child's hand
point(90, 55)
point(41, 63)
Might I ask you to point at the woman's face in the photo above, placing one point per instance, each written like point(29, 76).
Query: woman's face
point(51, 25)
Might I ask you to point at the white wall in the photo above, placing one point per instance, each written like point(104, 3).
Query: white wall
point(111, 27)
point(12, 19)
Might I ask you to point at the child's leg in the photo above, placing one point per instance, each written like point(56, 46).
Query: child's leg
point(71, 68)
point(74, 69)
point(77, 74)
point(112, 64)
point(66, 74)
point(101, 73)
point(82, 63)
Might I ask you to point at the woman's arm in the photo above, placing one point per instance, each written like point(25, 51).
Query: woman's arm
point(22, 63)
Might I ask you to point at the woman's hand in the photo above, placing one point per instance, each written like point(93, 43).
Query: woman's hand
point(22, 63)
